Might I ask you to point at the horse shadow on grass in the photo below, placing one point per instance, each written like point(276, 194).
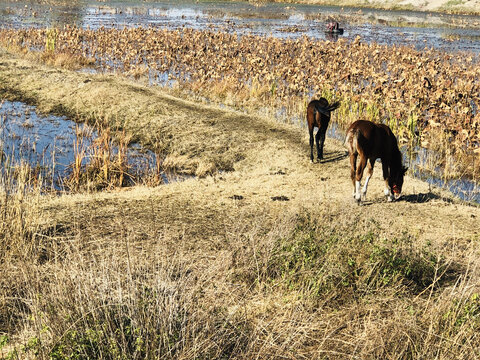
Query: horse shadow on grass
point(423, 198)
point(411, 198)
point(336, 156)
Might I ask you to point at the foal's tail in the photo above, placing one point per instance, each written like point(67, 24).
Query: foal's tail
point(351, 140)
point(333, 106)
point(325, 110)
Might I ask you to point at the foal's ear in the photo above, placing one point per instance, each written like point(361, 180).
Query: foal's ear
point(404, 170)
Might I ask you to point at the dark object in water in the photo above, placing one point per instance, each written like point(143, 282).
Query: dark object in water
point(333, 28)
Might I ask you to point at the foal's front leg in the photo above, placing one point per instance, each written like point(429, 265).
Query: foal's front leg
point(358, 177)
point(386, 175)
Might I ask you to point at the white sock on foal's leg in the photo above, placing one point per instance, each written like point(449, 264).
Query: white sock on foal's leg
point(365, 186)
point(357, 190)
point(388, 194)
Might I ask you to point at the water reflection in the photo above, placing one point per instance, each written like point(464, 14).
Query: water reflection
point(41, 141)
point(47, 144)
point(416, 29)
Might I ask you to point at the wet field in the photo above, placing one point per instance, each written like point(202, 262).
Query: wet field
point(50, 144)
point(418, 29)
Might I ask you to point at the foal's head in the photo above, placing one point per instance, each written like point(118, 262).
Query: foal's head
point(395, 181)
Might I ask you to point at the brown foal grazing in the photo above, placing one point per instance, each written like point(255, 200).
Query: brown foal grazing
point(318, 115)
point(371, 141)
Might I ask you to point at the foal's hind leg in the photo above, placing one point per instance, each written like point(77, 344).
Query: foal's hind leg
point(320, 137)
point(353, 169)
point(319, 141)
point(370, 165)
point(358, 176)
point(310, 131)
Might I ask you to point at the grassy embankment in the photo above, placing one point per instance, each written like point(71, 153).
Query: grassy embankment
point(212, 267)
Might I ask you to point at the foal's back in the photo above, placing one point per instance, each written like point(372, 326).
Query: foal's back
point(370, 139)
point(314, 117)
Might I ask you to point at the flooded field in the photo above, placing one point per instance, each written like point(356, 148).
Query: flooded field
point(418, 29)
point(50, 145)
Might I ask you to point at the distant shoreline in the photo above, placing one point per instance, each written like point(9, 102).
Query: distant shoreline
point(468, 7)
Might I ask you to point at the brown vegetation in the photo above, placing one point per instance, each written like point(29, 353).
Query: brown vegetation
point(425, 96)
point(212, 267)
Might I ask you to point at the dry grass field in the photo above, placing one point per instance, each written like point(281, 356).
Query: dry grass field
point(260, 255)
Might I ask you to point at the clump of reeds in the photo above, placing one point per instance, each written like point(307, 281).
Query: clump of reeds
point(103, 163)
point(66, 60)
point(20, 188)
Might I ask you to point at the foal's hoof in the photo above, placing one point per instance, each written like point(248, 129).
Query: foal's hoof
point(357, 199)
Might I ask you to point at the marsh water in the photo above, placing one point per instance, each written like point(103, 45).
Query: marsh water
point(418, 29)
point(49, 144)
point(40, 139)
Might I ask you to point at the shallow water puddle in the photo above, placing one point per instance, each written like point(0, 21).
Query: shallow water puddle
point(45, 141)
point(49, 144)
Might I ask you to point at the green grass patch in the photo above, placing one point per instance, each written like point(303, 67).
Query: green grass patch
point(324, 263)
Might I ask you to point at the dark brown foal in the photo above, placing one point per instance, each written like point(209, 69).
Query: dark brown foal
point(318, 115)
point(370, 141)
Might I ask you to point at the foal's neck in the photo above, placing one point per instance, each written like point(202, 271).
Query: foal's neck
point(396, 158)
